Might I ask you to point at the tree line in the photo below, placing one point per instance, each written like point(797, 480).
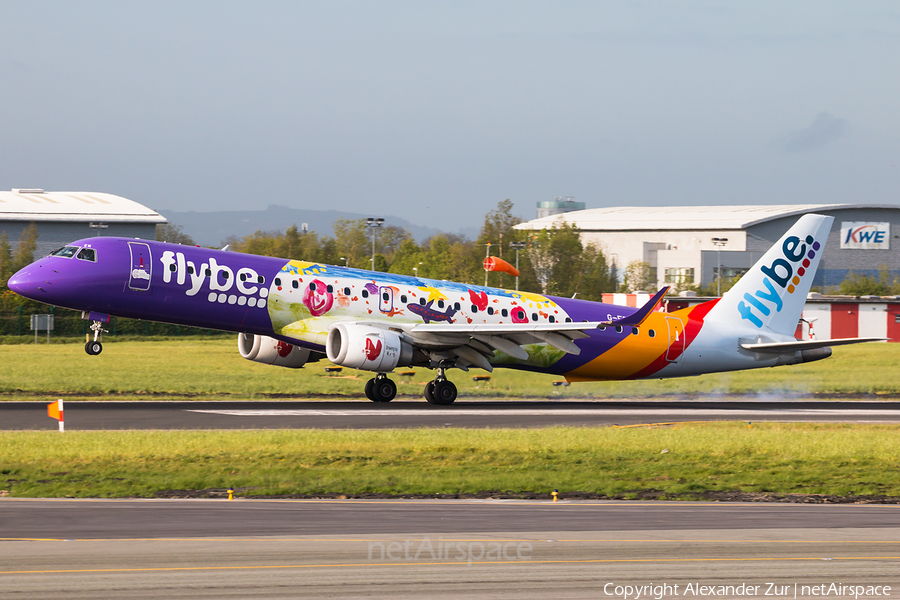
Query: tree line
point(552, 261)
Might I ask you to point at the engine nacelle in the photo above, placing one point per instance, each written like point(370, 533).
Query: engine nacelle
point(263, 349)
point(367, 348)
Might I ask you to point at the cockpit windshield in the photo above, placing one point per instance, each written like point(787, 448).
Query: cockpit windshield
point(66, 252)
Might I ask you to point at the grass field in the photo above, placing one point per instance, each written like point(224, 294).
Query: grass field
point(688, 459)
point(214, 369)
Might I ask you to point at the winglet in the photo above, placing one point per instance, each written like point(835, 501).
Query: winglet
point(638, 317)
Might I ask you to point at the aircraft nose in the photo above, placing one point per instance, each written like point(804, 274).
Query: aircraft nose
point(29, 282)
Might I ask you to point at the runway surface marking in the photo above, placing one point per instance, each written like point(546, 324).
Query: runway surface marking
point(457, 563)
point(445, 539)
point(533, 412)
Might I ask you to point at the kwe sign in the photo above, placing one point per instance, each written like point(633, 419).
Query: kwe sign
point(866, 236)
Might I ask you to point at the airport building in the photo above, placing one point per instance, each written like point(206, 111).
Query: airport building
point(691, 245)
point(61, 217)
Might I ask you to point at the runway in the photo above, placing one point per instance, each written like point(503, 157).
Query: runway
point(441, 549)
point(84, 415)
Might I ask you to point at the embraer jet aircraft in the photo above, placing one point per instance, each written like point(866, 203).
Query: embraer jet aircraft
point(288, 313)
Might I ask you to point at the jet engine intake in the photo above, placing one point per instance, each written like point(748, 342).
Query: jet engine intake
point(367, 348)
point(263, 349)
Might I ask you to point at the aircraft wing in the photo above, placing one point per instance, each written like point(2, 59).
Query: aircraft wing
point(475, 343)
point(789, 347)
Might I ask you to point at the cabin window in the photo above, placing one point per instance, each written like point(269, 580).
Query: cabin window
point(385, 296)
point(260, 279)
point(191, 269)
point(296, 284)
point(67, 252)
point(403, 298)
point(490, 310)
point(634, 331)
point(504, 312)
point(209, 272)
point(440, 304)
point(534, 316)
point(552, 319)
point(568, 319)
point(365, 293)
point(456, 306)
point(346, 291)
point(618, 329)
point(651, 333)
point(172, 266)
point(474, 309)
point(277, 279)
point(241, 276)
point(312, 286)
point(330, 288)
point(422, 301)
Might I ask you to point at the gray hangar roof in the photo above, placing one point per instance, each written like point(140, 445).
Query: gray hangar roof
point(640, 218)
point(41, 206)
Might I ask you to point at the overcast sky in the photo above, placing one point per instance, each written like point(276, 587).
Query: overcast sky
point(437, 111)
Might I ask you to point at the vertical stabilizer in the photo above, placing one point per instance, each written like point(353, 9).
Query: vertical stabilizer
point(770, 296)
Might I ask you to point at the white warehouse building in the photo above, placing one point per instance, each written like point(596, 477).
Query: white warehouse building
point(689, 245)
point(61, 217)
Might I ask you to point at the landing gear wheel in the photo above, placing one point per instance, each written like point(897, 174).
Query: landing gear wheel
point(443, 392)
point(429, 392)
point(93, 348)
point(384, 389)
point(380, 389)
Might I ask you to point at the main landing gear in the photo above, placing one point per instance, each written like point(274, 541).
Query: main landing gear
point(95, 346)
point(381, 389)
point(441, 391)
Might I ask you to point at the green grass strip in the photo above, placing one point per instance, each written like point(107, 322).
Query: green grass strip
point(195, 368)
point(833, 459)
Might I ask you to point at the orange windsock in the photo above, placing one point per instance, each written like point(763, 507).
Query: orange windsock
point(492, 263)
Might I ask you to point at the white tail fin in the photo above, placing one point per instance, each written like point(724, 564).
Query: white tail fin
point(771, 295)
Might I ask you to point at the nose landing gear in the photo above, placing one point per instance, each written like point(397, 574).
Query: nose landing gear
point(381, 389)
point(95, 346)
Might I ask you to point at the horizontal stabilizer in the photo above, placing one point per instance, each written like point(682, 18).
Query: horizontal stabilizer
point(640, 315)
point(788, 347)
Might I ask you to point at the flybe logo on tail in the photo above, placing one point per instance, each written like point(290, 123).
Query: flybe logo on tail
point(784, 273)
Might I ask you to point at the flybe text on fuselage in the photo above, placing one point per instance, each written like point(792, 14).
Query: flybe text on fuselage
point(784, 271)
point(218, 281)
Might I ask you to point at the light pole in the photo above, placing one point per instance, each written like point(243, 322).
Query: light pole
point(487, 252)
point(518, 246)
point(346, 261)
point(374, 223)
point(719, 242)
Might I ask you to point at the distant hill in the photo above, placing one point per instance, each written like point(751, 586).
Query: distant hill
point(212, 228)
